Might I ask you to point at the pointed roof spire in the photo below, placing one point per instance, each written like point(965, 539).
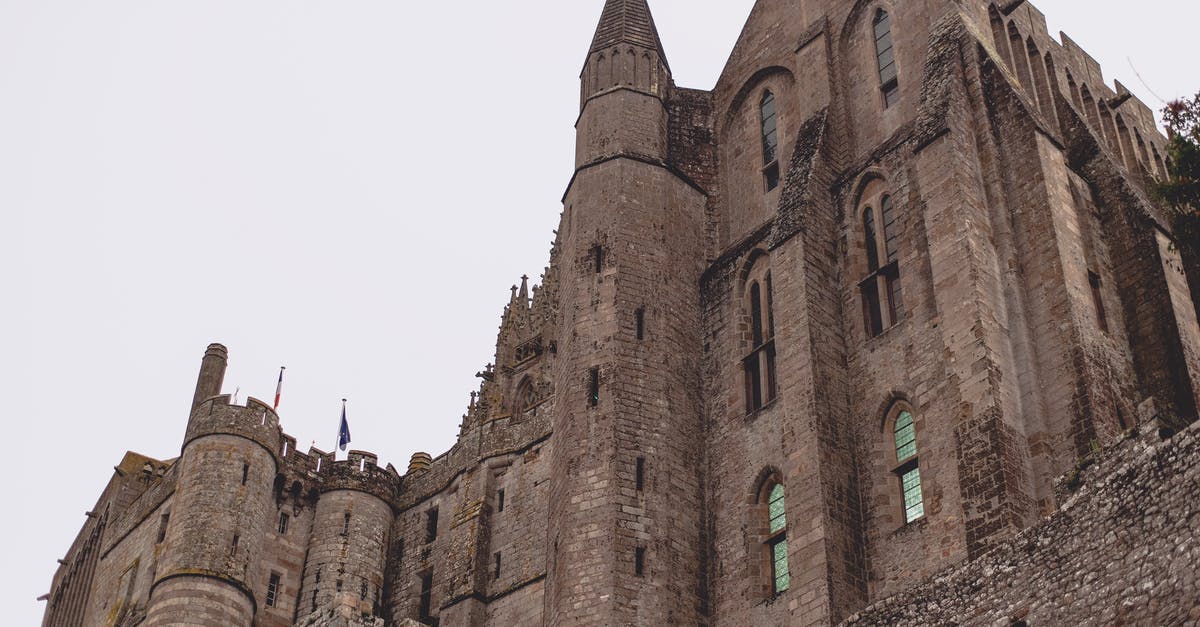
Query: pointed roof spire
point(524, 294)
point(627, 21)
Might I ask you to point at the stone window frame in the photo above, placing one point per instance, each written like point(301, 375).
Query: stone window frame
point(274, 587)
point(880, 291)
point(760, 387)
point(900, 468)
point(763, 540)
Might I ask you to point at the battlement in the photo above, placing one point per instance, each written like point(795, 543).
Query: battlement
point(1042, 65)
point(217, 416)
point(361, 473)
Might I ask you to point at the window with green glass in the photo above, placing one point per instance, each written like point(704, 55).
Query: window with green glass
point(906, 437)
point(777, 541)
point(905, 433)
point(914, 505)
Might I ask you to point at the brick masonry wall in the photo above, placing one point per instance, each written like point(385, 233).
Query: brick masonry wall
point(1122, 549)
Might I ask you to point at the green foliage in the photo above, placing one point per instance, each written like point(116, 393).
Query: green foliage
point(1181, 191)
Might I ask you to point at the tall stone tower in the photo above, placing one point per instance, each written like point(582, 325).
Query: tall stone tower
point(218, 520)
point(625, 521)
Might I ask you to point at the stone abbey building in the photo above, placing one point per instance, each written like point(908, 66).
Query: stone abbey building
point(809, 346)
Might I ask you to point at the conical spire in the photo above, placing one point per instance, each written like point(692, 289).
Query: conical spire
point(629, 22)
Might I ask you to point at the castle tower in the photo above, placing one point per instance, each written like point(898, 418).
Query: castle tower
point(347, 549)
point(625, 521)
point(222, 506)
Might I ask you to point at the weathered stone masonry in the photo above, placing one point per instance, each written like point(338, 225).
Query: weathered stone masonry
point(818, 344)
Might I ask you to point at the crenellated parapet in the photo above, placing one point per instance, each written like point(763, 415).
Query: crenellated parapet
point(255, 421)
point(361, 473)
point(1043, 67)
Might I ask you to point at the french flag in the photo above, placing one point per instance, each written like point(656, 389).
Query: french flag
point(279, 386)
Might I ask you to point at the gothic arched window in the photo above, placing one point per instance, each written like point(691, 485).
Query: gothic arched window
point(770, 140)
point(525, 399)
point(883, 304)
point(776, 542)
point(759, 364)
point(904, 438)
point(885, 54)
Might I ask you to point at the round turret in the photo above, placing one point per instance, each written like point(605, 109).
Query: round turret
point(219, 516)
point(348, 545)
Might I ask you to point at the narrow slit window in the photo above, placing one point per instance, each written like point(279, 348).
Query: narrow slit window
point(273, 590)
point(639, 561)
point(870, 242)
point(1098, 301)
point(641, 323)
point(500, 501)
point(496, 573)
point(283, 523)
point(426, 602)
point(756, 321)
point(882, 298)
point(640, 475)
point(346, 525)
point(162, 527)
point(362, 591)
point(594, 389)
point(245, 473)
point(759, 365)
point(314, 600)
point(770, 140)
point(598, 258)
point(889, 78)
point(233, 546)
point(431, 525)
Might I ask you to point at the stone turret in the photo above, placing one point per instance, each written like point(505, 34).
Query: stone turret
point(625, 494)
point(222, 506)
point(348, 545)
point(624, 85)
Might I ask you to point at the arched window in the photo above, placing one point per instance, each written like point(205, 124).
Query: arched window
point(904, 437)
point(885, 54)
point(776, 544)
point(883, 303)
point(770, 140)
point(759, 364)
point(525, 399)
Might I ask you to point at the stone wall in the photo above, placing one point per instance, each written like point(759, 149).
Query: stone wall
point(1122, 549)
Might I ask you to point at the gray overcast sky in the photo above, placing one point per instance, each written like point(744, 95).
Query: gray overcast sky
point(345, 188)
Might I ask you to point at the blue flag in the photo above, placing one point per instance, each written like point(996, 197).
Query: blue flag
point(344, 430)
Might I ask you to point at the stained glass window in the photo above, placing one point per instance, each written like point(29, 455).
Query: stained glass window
point(906, 436)
point(777, 523)
point(910, 474)
point(775, 509)
point(780, 565)
point(914, 505)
